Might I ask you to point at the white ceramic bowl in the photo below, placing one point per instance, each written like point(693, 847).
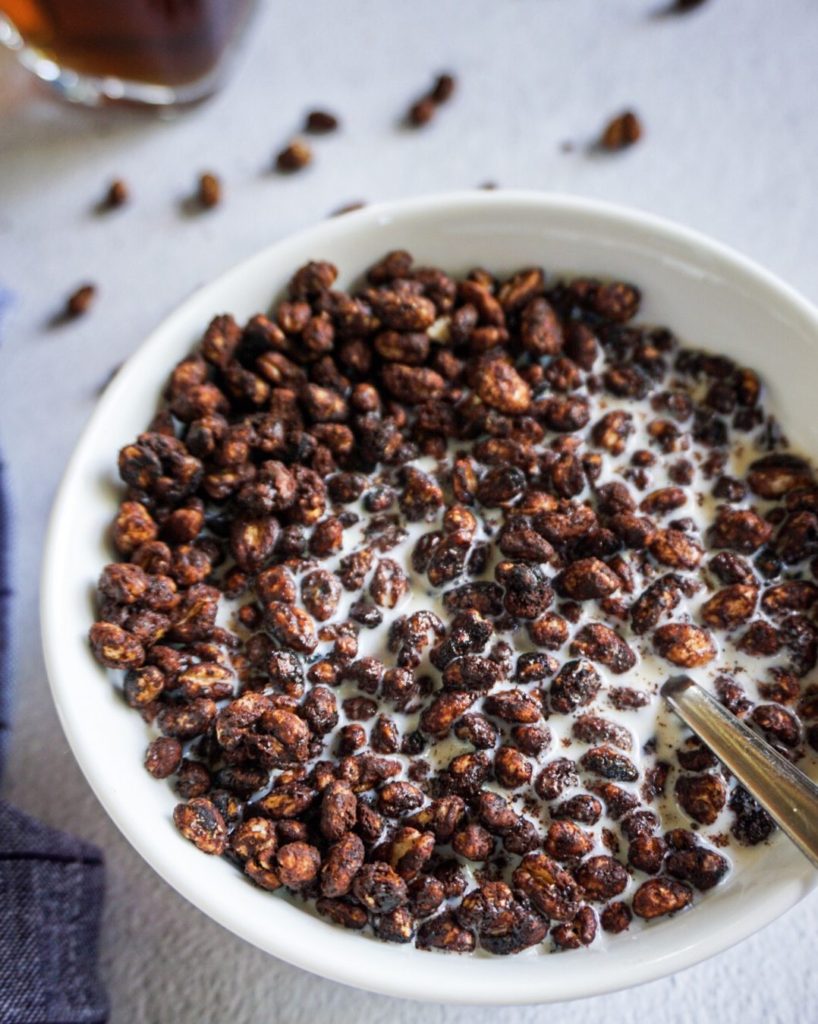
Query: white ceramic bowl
point(710, 296)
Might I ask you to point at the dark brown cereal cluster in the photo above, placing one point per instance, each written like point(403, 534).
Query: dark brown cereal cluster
point(458, 521)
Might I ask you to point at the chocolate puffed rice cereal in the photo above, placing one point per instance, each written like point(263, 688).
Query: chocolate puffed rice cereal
point(399, 571)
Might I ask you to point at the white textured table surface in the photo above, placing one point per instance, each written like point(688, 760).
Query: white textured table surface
point(727, 94)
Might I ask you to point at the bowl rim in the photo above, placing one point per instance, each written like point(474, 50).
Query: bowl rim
point(447, 986)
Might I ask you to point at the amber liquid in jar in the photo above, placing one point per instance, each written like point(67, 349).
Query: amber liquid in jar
point(159, 42)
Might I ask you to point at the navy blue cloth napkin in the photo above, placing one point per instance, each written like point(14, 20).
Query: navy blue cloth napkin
point(51, 888)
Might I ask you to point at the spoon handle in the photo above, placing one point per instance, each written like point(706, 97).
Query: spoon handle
point(787, 795)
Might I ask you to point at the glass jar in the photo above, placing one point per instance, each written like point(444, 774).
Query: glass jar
point(155, 52)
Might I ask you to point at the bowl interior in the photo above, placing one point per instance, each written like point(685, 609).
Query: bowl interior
point(707, 295)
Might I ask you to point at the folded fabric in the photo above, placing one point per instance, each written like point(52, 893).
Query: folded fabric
point(51, 888)
point(6, 303)
point(5, 642)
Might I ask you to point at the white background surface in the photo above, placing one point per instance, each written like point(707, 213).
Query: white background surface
point(727, 95)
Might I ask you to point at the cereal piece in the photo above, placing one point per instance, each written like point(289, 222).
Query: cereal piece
point(616, 918)
point(552, 890)
point(601, 878)
point(389, 584)
point(778, 723)
point(609, 764)
point(511, 768)
point(752, 825)
point(595, 729)
point(163, 756)
point(201, 823)
point(342, 863)
point(660, 896)
point(80, 301)
point(443, 89)
point(789, 596)
point(288, 801)
point(291, 626)
point(379, 888)
point(349, 915)
point(703, 868)
point(115, 647)
point(209, 190)
point(566, 841)
point(116, 195)
point(473, 842)
point(675, 549)
point(555, 777)
point(321, 592)
point(684, 645)
point(579, 932)
point(500, 386)
point(513, 706)
point(396, 798)
point(421, 112)
point(684, 6)
point(443, 932)
point(625, 698)
point(588, 579)
point(472, 672)
point(252, 836)
point(612, 431)
point(622, 131)
point(298, 864)
point(646, 853)
point(776, 475)
point(294, 157)
point(600, 643)
point(540, 329)
point(658, 600)
point(320, 122)
point(583, 808)
point(527, 592)
point(702, 796)
point(576, 685)
point(731, 606)
point(740, 530)
point(439, 717)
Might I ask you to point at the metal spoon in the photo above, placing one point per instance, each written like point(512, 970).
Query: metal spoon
point(784, 792)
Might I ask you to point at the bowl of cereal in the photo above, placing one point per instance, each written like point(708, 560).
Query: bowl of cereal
point(358, 636)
